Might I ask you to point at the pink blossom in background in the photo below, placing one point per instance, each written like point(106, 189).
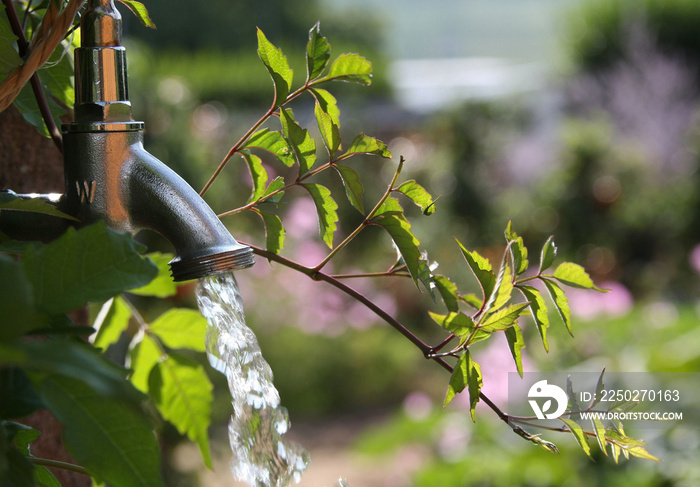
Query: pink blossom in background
point(587, 305)
point(301, 220)
point(694, 258)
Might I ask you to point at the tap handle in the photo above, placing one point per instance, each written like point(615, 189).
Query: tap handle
point(101, 25)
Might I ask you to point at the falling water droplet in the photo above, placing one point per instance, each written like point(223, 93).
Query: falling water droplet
point(261, 456)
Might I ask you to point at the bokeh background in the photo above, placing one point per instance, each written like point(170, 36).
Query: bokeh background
point(577, 118)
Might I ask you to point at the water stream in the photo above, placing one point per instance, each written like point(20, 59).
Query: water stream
point(261, 456)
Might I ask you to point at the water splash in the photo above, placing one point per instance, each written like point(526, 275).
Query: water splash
point(261, 457)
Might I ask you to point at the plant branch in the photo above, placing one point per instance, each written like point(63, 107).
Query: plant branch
point(37, 88)
point(422, 346)
point(45, 462)
point(365, 222)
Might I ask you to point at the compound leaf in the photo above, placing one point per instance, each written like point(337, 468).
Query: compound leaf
point(278, 67)
point(326, 208)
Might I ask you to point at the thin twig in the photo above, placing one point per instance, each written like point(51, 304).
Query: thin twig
point(45, 462)
point(37, 88)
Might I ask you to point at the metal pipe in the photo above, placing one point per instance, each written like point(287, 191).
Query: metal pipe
point(110, 176)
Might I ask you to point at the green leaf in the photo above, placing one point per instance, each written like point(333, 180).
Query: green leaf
point(350, 67)
point(353, 186)
point(328, 104)
point(139, 10)
point(514, 335)
point(503, 318)
point(303, 146)
point(330, 131)
point(110, 322)
point(503, 289)
point(400, 231)
point(573, 402)
point(27, 105)
point(629, 446)
point(258, 175)
point(18, 395)
point(466, 373)
point(70, 358)
point(561, 303)
point(364, 144)
point(107, 435)
point(9, 57)
point(181, 328)
point(390, 206)
point(538, 308)
point(278, 67)
point(600, 386)
point(143, 357)
point(9, 201)
point(548, 253)
point(517, 250)
point(44, 478)
point(163, 285)
point(274, 187)
point(575, 276)
point(274, 231)
point(56, 76)
point(17, 307)
point(417, 193)
point(482, 270)
point(579, 434)
point(273, 142)
point(599, 433)
point(326, 208)
point(182, 393)
point(448, 290)
point(318, 53)
point(455, 322)
point(91, 264)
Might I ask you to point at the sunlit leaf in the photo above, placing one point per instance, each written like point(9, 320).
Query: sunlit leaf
point(449, 292)
point(273, 142)
point(503, 318)
point(579, 434)
point(629, 446)
point(482, 270)
point(350, 67)
point(143, 357)
point(547, 255)
point(574, 405)
point(318, 52)
point(274, 189)
point(162, 286)
point(561, 303)
point(400, 231)
point(417, 193)
point(599, 433)
point(517, 250)
point(258, 175)
point(455, 322)
point(503, 289)
point(182, 393)
point(390, 206)
point(330, 132)
point(364, 144)
point(303, 146)
point(274, 231)
point(466, 373)
point(111, 321)
point(538, 308)
point(516, 343)
point(600, 386)
point(139, 10)
point(575, 276)
point(326, 208)
point(278, 67)
point(327, 103)
point(181, 328)
point(353, 186)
